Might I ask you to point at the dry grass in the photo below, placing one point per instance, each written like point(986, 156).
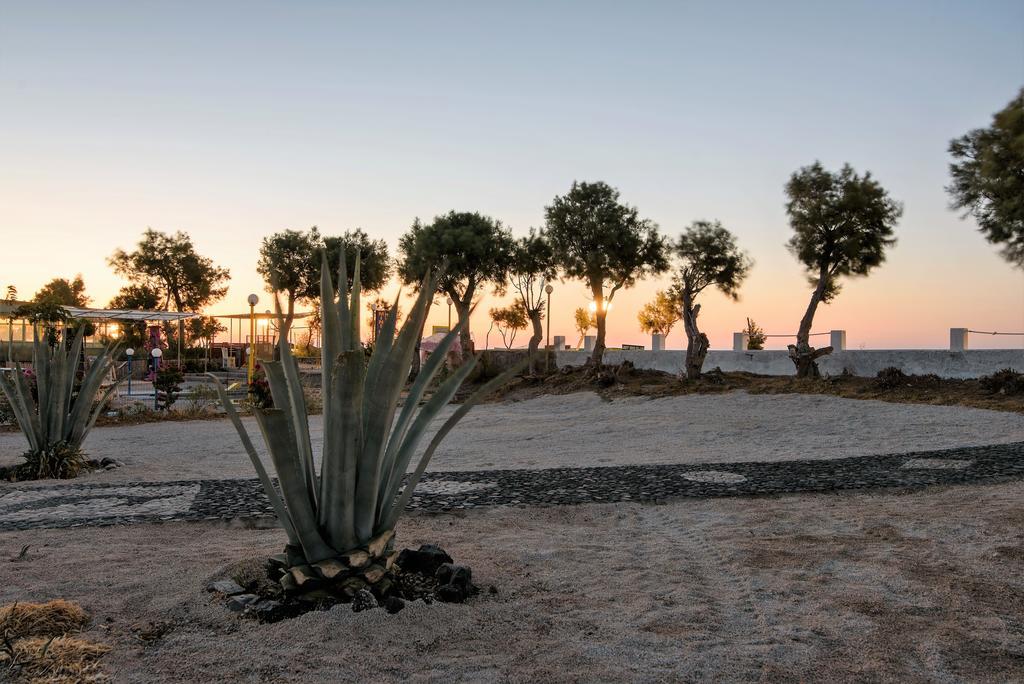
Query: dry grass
point(52, 619)
point(626, 381)
point(36, 647)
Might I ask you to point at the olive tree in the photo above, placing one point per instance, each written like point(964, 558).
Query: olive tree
point(603, 242)
point(510, 320)
point(532, 268)
point(708, 257)
point(658, 316)
point(170, 265)
point(289, 263)
point(842, 225)
point(471, 250)
point(988, 179)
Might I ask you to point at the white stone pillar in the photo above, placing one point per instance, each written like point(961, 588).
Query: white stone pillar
point(740, 341)
point(559, 343)
point(837, 338)
point(658, 342)
point(958, 339)
point(588, 342)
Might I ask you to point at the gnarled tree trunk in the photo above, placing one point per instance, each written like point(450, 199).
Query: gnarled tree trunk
point(696, 342)
point(538, 335)
point(803, 355)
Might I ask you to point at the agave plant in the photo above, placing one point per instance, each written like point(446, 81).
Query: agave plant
point(347, 511)
point(56, 417)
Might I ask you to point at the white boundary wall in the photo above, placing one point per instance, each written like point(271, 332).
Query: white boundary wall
point(862, 362)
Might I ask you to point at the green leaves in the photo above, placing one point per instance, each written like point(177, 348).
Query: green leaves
point(63, 413)
point(366, 451)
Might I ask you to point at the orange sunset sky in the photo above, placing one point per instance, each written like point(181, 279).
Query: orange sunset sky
point(236, 121)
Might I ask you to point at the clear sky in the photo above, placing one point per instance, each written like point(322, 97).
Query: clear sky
point(233, 120)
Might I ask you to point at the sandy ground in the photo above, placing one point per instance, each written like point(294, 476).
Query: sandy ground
point(927, 587)
point(584, 430)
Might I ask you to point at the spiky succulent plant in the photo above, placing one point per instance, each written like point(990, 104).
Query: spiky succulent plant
point(369, 440)
point(57, 416)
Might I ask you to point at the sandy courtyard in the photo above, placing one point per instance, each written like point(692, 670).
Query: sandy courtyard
point(584, 430)
point(925, 587)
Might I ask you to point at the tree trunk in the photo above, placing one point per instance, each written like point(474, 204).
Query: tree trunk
point(538, 335)
point(696, 342)
point(803, 355)
point(462, 308)
point(597, 358)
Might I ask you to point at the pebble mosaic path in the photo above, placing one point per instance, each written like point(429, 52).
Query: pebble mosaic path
point(34, 505)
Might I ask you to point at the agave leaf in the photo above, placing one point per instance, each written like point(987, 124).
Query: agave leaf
point(339, 511)
point(380, 403)
point(34, 425)
point(273, 424)
point(344, 315)
point(257, 463)
point(433, 364)
point(356, 289)
point(292, 385)
point(22, 412)
point(392, 516)
point(295, 426)
point(380, 350)
point(403, 454)
point(83, 404)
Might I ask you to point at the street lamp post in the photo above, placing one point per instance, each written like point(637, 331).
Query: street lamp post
point(449, 300)
point(129, 352)
point(547, 347)
point(253, 301)
point(156, 353)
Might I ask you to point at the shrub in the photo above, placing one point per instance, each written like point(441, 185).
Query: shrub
point(1005, 381)
point(167, 386)
point(890, 378)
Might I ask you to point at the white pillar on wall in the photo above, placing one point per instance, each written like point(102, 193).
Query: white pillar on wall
point(740, 341)
point(958, 339)
point(837, 338)
point(559, 343)
point(658, 342)
point(588, 342)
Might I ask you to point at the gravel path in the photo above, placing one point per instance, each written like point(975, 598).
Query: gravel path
point(582, 430)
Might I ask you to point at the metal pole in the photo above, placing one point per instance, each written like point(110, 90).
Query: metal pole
point(252, 342)
point(547, 347)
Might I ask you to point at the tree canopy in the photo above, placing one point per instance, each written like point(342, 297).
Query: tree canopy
point(658, 316)
point(708, 256)
point(532, 269)
point(988, 179)
point(170, 265)
point(472, 250)
point(63, 292)
point(510, 320)
point(604, 242)
point(842, 225)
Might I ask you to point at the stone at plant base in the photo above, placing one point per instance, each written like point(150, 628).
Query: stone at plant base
point(379, 543)
point(459, 575)
point(374, 573)
point(350, 586)
point(288, 584)
point(393, 604)
point(279, 560)
point(330, 568)
point(383, 588)
point(363, 600)
point(356, 559)
point(304, 576)
point(225, 586)
point(317, 596)
point(451, 593)
point(268, 610)
point(240, 602)
point(425, 561)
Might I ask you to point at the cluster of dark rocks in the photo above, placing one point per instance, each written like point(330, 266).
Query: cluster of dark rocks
point(104, 463)
point(360, 579)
